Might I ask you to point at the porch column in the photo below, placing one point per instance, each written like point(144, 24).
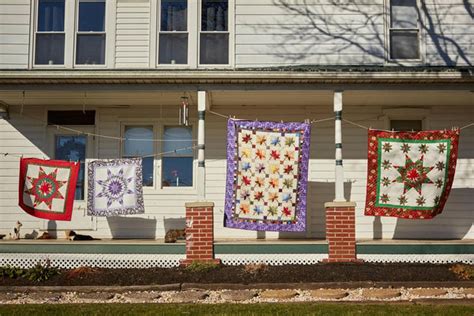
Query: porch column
point(203, 104)
point(340, 215)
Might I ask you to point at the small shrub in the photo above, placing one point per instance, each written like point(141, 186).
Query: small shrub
point(255, 268)
point(11, 272)
point(41, 272)
point(463, 271)
point(80, 272)
point(200, 266)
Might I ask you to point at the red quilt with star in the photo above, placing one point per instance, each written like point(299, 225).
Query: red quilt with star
point(410, 174)
point(47, 188)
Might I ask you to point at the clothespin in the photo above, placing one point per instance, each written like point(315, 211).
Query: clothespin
point(307, 121)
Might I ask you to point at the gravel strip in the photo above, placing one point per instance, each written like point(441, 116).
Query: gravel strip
point(216, 297)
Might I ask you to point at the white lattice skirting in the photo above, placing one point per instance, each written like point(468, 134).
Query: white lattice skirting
point(419, 258)
point(141, 261)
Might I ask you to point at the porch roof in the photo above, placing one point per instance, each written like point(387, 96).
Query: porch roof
point(285, 75)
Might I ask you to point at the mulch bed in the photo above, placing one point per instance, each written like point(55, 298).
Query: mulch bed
point(246, 275)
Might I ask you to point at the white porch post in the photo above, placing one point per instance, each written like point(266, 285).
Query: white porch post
point(338, 140)
point(203, 104)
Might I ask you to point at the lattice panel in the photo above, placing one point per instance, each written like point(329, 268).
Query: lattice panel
point(419, 258)
point(71, 261)
point(271, 259)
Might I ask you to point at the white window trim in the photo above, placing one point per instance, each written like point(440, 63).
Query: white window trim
point(230, 31)
point(421, 37)
point(407, 113)
point(158, 132)
point(77, 32)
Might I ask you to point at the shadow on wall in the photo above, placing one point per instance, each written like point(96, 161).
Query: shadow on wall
point(454, 223)
point(132, 227)
point(318, 194)
point(174, 223)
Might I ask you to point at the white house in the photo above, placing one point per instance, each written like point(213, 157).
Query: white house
point(119, 68)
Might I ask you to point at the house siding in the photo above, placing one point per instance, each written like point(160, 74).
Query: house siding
point(132, 41)
point(21, 135)
point(14, 34)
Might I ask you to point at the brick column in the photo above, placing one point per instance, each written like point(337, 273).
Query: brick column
point(199, 233)
point(340, 231)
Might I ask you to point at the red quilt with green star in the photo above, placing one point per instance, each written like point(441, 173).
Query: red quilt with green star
point(410, 174)
point(47, 188)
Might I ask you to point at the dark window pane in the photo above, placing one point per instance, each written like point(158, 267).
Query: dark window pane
point(177, 171)
point(51, 15)
point(91, 16)
point(214, 49)
point(174, 15)
point(404, 14)
point(406, 125)
point(73, 148)
point(49, 49)
point(404, 45)
point(173, 49)
point(71, 118)
point(177, 138)
point(90, 49)
point(214, 15)
point(139, 142)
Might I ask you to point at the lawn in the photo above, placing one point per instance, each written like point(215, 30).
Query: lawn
point(237, 309)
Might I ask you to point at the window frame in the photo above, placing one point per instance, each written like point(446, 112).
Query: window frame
point(35, 21)
point(189, 23)
point(77, 33)
point(420, 36)
point(407, 114)
point(158, 132)
point(229, 32)
point(193, 187)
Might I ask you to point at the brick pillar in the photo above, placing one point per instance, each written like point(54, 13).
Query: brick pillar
point(340, 231)
point(199, 233)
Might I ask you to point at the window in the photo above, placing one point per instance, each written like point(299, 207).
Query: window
point(406, 125)
point(177, 168)
point(71, 117)
point(139, 142)
point(90, 42)
point(173, 38)
point(214, 36)
point(73, 148)
point(49, 48)
point(404, 31)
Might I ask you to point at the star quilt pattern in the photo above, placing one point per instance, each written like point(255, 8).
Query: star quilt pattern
point(47, 188)
point(267, 169)
point(115, 187)
point(410, 174)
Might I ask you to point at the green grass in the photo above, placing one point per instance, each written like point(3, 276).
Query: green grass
point(299, 309)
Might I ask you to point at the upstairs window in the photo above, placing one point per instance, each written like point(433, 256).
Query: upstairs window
point(173, 38)
point(404, 30)
point(214, 35)
point(49, 48)
point(90, 41)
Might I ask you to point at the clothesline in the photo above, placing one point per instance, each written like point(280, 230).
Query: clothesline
point(239, 119)
point(4, 154)
point(368, 128)
point(121, 139)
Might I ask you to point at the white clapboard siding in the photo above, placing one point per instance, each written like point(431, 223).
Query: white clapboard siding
point(273, 33)
point(14, 34)
point(132, 39)
point(448, 33)
point(21, 135)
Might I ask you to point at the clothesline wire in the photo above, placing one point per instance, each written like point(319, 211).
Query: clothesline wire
point(4, 154)
point(367, 127)
point(79, 132)
point(239, 119)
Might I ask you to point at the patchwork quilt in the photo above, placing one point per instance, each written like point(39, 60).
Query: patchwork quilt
point(115, 187)
point(47, 188)
point(410, 174)
point(267, 169)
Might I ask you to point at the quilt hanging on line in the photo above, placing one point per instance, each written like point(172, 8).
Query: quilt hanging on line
point(115, 187)
point(47, 188)
point(267, 169)
point(410, 174)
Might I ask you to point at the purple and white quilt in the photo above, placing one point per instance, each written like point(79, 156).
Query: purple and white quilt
point(115, 187)
point(267, 170)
